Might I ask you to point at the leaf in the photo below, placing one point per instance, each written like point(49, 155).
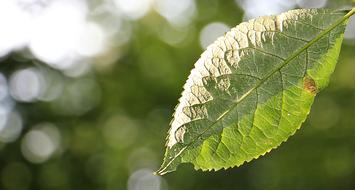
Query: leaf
point(253, 88)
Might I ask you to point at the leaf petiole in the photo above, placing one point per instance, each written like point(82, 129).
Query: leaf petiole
point(351, 13)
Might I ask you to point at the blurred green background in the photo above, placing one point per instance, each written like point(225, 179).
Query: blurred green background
point(87, 90)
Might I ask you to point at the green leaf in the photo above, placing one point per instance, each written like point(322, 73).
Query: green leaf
point(253, 88)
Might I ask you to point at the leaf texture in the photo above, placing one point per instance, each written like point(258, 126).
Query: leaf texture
point(253, 88)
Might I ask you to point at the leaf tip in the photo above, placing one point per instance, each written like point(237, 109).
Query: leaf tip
point(157, 173)
point(167, 167)
point(163, 170)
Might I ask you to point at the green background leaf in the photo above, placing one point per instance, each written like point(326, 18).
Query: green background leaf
point(253, 88)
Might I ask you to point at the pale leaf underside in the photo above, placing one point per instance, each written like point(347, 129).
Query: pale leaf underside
point(253, 88)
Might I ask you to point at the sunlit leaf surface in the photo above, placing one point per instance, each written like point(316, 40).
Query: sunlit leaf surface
point(253, 88)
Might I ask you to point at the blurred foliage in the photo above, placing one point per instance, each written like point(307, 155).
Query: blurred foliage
point(117, 124)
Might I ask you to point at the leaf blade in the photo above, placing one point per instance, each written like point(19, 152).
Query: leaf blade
point(252, 125)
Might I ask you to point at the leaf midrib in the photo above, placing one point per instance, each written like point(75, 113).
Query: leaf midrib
point(287, 61)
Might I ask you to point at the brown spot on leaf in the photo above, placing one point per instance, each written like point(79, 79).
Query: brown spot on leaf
point(309, 85)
